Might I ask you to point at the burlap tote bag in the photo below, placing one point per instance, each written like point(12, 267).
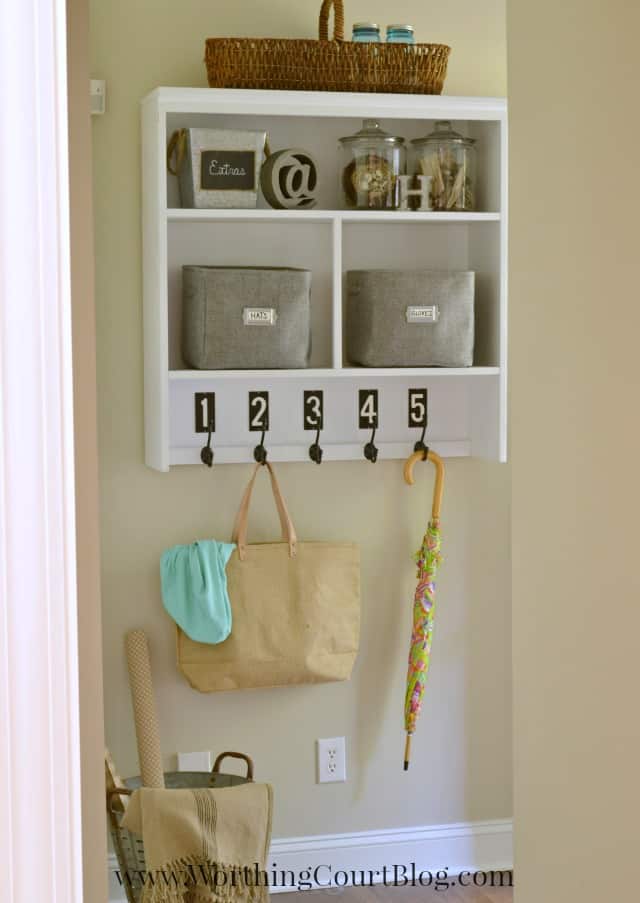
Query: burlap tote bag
point(295, 608)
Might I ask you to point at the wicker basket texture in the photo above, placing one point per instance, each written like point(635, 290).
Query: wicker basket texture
point(291, 64)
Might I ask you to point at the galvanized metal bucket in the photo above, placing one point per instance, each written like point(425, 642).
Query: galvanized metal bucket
point(129, 847)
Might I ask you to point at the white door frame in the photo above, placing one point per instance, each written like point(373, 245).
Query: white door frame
point(40, 826)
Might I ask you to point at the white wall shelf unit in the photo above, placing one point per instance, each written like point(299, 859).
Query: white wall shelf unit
point(467, 406)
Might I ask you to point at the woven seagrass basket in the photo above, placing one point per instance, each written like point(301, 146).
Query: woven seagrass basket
point(290, 64)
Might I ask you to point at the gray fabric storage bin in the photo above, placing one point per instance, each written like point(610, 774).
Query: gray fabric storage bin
point(243, 318)
point(410, 318)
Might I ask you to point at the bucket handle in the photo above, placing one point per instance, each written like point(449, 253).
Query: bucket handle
point(234, 755)
point(117, 792)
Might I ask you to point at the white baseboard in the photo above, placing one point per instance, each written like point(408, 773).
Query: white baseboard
point(471, 846)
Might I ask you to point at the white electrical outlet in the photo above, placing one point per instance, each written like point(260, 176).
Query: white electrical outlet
point(331, 760)
point(194, 761)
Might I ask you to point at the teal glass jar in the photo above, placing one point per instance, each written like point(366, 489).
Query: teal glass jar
point(366, 33)
point(400, 34)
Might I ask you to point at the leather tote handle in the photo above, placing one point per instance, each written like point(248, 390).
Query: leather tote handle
point(338, 20)
point(243, 511)
point(239, 535)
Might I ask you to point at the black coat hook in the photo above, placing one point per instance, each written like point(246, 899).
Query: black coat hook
point(206, 454)
point(370, 450)
point(260, 452)
point(315, 452)
point(420, 446)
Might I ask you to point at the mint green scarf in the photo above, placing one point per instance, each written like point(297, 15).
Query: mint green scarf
point(194, 589)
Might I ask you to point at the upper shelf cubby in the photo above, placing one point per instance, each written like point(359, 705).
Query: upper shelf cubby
point(321, 135)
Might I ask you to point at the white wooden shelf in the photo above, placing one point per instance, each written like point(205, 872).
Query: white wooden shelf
point(331, 372)
point(467, 406)
point(179, 215)
point(177, 101)
point(448, 448)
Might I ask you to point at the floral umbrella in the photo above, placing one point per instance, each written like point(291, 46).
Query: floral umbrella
point(428, 559)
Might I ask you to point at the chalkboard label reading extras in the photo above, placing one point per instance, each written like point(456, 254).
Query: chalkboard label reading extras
point(227, 170)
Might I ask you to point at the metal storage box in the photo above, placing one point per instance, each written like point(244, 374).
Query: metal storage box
point(217, 168)
point(410, 318)
point(244, 318)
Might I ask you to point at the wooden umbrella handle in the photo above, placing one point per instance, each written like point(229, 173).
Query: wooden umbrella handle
point(338, 20)
point(438, 463)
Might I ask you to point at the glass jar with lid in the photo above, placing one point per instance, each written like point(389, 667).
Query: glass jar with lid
point(400, 34)
point(366, 33)
point(450, 160)
point(371, 161)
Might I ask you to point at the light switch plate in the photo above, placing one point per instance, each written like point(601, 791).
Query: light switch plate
point(97, 96)
point(194, 761)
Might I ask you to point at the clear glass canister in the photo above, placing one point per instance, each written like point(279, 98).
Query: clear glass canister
point(371, 161)
point(450, 160)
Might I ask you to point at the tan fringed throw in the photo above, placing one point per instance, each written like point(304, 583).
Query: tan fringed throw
point(203, 846)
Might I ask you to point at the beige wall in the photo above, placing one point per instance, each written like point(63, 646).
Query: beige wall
point(86, 455)
point(465, 736)
point(575, 321)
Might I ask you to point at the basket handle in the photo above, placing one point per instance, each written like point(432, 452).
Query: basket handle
point(338, 20)
point(233, 755)
point(115, 794)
